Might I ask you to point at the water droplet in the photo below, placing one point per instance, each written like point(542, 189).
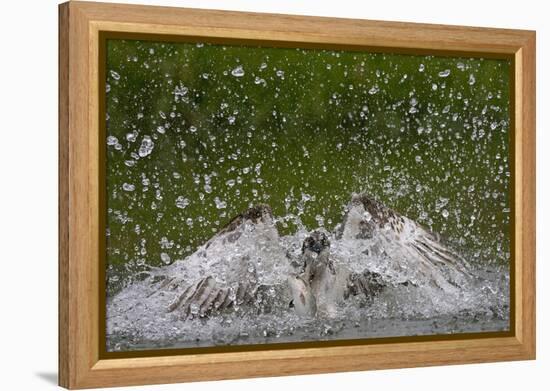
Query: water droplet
point(445, 213)
point(444, 73)
point(220, 204)
point(112, 140)
point(182, 202)
point(161, 129)
point(165, 258)
point(238, 71)
point(128, 187)
point(146, 147)
point(373, 90)
point(114, 75)
point(472, 79)
point(207, 189)
point(131, 136)
point(421, 68)
point(192, 129)
point(180, 91)
point(441, 202)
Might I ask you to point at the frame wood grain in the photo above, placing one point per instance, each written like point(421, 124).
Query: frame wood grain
point(80, 24)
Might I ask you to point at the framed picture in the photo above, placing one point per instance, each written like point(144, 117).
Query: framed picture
point(249, 195)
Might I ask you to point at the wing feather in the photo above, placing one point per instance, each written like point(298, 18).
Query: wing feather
point(227, 270)
point(408, 251)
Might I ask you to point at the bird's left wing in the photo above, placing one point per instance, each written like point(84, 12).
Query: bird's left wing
point(398, 248)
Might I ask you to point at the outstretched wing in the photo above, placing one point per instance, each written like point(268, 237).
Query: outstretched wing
point(239, 266)
point(398, 248)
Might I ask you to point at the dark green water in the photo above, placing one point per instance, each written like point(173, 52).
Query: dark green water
point(198, 133)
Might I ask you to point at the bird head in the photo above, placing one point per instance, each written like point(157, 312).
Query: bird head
point(317, 242)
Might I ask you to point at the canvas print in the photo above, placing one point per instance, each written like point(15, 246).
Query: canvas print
point(263, 195)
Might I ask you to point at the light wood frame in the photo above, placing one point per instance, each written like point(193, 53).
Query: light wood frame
point(80, 24)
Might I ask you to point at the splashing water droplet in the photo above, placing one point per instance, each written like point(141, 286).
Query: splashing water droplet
point(165, 258)
point(146, 147)
point(238, 71)
point(131, 137)
point(182, 202)
point(219, 203)
point(112, 140)
point(128, 187)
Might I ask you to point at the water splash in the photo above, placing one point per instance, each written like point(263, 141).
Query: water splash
point(414, 302)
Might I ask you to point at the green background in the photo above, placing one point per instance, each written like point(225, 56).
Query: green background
point(301, 130)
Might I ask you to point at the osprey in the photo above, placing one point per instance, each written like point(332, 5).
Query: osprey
point(330, 283)
point(244, 266)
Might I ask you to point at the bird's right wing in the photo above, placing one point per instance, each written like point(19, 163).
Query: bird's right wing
point(399, 249)
point(239, 266)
